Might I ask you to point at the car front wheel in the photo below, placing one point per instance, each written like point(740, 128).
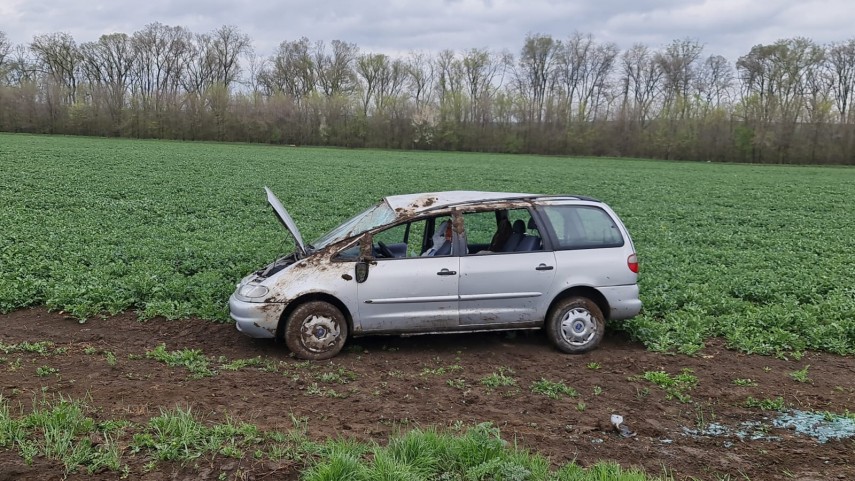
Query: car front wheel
point(316, 330)
point(576, 325)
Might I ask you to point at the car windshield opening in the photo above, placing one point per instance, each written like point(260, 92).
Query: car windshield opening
point(375, 216)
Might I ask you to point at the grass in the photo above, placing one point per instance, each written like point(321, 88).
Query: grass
point(758, 255)
point(44, 371)
point(339, 376)
point(765, 404)
point(40, 347)
point(441, 370)
point(478, 453)
point(315, 390)
point(552, 389)
point(192, 359)
point(238, 364)
point(501, 378)
point(61, 431)
point(801, 375)
point(178, 435)
point(676, 386)
point(745, 382)
point(110, 358)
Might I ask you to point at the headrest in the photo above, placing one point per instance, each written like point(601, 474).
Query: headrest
point(519, 226)
point(531, 224)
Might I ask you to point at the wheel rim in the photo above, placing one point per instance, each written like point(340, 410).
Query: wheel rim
point(319, 333)
point(578, 326)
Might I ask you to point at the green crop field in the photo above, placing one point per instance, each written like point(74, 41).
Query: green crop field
point(759, 255)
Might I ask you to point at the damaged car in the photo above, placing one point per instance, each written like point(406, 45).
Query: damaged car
point(447, 262)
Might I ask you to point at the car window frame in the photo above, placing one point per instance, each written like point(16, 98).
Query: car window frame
point(427, 235)
point(546, 242)
point(357, 240)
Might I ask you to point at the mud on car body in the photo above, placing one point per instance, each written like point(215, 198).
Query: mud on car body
point(459, 261)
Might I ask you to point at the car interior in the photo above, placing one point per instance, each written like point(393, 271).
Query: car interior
point(512, 230)
point(486, 232)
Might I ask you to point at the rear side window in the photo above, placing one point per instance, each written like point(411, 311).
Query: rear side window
point(582, 227)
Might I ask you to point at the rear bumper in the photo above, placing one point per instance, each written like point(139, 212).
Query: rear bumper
point(256, 319)
point(623, 301)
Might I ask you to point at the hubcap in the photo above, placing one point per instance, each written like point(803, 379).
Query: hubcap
point(578, 326)
point(319, 333)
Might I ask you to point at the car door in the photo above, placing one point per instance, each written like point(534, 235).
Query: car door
point(499, 286)
point(416, 292)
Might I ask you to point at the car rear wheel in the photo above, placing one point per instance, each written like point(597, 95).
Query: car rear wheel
point(316, 330)
point(576, 325)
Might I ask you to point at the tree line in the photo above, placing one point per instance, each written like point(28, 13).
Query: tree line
point(786, 102)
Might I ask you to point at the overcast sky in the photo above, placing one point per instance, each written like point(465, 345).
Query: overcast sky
point(724, 27)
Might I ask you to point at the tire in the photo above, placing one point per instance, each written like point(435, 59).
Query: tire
point(316, 330)
point(576, 325)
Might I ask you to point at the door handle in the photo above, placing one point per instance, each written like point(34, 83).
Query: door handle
point(543, 267)
point(446, 272)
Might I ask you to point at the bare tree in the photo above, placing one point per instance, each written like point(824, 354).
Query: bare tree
point(641, 79)
point(227, 45)
point(421, 77)
point(381, 79)
point(714, 81)
point(449, 86)
point(678, 65)
point(22, 68)
point(334, 70)
point(107, 65)
point(291, 70)
point(481, 68)
point(5, 57)
point(256, 65)
point(583, 68)
point(774, 82)
point(162, 55)
point(536, 72)
point(59, 57)
point(841, 58)
point(201, 66)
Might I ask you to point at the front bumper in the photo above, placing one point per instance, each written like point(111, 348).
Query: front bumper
point(623, 301)
point(256, 319)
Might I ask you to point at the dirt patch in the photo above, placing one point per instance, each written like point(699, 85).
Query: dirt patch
point(398, 383)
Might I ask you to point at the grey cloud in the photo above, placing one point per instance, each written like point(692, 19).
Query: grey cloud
point(726, 27)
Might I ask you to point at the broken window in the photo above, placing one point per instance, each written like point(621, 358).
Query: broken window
point(422, 237)
point(501, 231)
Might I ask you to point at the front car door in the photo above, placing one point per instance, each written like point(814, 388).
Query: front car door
point(504, 277)
point(416, 289)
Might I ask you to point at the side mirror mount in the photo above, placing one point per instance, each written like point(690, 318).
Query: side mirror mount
point(361, 271)
point(366, 256)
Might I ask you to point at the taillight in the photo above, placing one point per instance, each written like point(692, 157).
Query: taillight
point(632, 263)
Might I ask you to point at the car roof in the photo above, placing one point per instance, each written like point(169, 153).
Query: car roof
point(416, 203)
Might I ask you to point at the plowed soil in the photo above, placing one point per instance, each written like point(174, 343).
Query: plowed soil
point(398, 383)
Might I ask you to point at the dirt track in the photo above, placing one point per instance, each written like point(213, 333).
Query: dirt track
point(397, 383)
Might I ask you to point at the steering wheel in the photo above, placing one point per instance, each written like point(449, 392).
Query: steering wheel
point(384, 249)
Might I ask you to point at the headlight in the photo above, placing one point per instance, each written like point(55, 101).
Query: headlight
point(253, 291)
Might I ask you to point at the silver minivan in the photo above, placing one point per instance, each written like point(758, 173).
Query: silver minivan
point(443, 262)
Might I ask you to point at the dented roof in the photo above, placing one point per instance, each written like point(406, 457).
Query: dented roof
point(417, 203)
point(431, 200)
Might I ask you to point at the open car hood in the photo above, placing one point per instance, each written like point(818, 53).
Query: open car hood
point(286, 221)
